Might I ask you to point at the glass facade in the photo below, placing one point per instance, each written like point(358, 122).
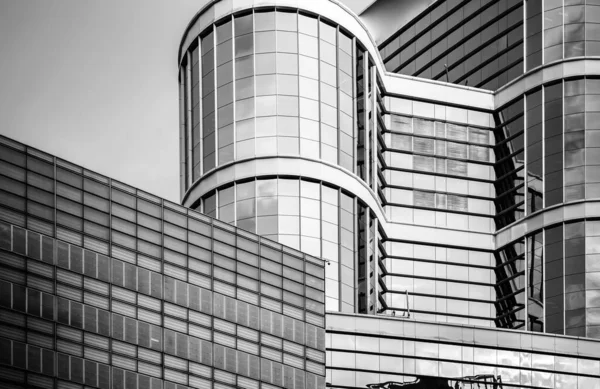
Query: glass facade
point(274, 82)
point(510, 163)
point(374, 352)
point(438, 172)
point(103, 285)
point(431, 164)
point(281, 83)
point(475, 43)
point(439, 166)
point(571, 29)
point(560, 280)
point(488, 45)
point(309, 216)
point(330, 185)
point(561, 131)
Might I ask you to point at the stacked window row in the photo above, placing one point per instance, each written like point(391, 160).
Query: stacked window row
point(72, 369)
point(147, 252)
point(305, 215)
point(438, 112)
point(93, 374)
point(357, 361)
point(145, 335)
point(478, 45)
point(178, 292)
point(152, 237)
point(96, 216)
point(429, 200)
point(148, 362)
point(443, 284)
point(271, 82)
point(438, 138)
point(150, 336)
point(410, 146)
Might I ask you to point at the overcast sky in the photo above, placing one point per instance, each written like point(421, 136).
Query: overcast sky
point(95, 82)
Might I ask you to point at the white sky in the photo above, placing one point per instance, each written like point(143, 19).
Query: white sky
point(95, 82)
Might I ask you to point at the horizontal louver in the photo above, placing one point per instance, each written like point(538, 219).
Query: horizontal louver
point(40, 226)
point(175, 324)
point(69, 348)
point(12, 318)
point(95, 245)
point(315, 319)
point(248, 347)
point(223, 339)
point(124, 294)
point(150, 317)
point(247, 296)
point(293, 361)
point(148, 355)
point(226, 289)
point(270, 354)
point(176, 272)
point(151, 370)
point(200, 383)
point(68, 236)
point(96, 355)
point(95, 286)
point(315, 368)
point(121, 253)
point(96, 300)
point(70, 293)
point(149, 263)
point(200, 332)
point(149, 302)
point(177, 363)
point(124, 362)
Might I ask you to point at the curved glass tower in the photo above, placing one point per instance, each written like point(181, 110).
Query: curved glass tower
point(376, 229)
point(449, 174)
point(286, 110)
point(276, 102)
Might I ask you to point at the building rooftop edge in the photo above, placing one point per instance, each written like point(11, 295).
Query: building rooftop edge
point(470, 326)
point(10, 142)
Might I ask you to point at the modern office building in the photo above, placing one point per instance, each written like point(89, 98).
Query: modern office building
point(440, 155)
point(106, 286)
point(409, 197)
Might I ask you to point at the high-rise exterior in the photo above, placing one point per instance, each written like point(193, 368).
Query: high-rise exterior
point(405, 198)
point(106, 286)
point(468, 203)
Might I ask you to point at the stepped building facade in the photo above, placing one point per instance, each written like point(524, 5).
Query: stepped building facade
point(440, 156)
point(409, 197)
